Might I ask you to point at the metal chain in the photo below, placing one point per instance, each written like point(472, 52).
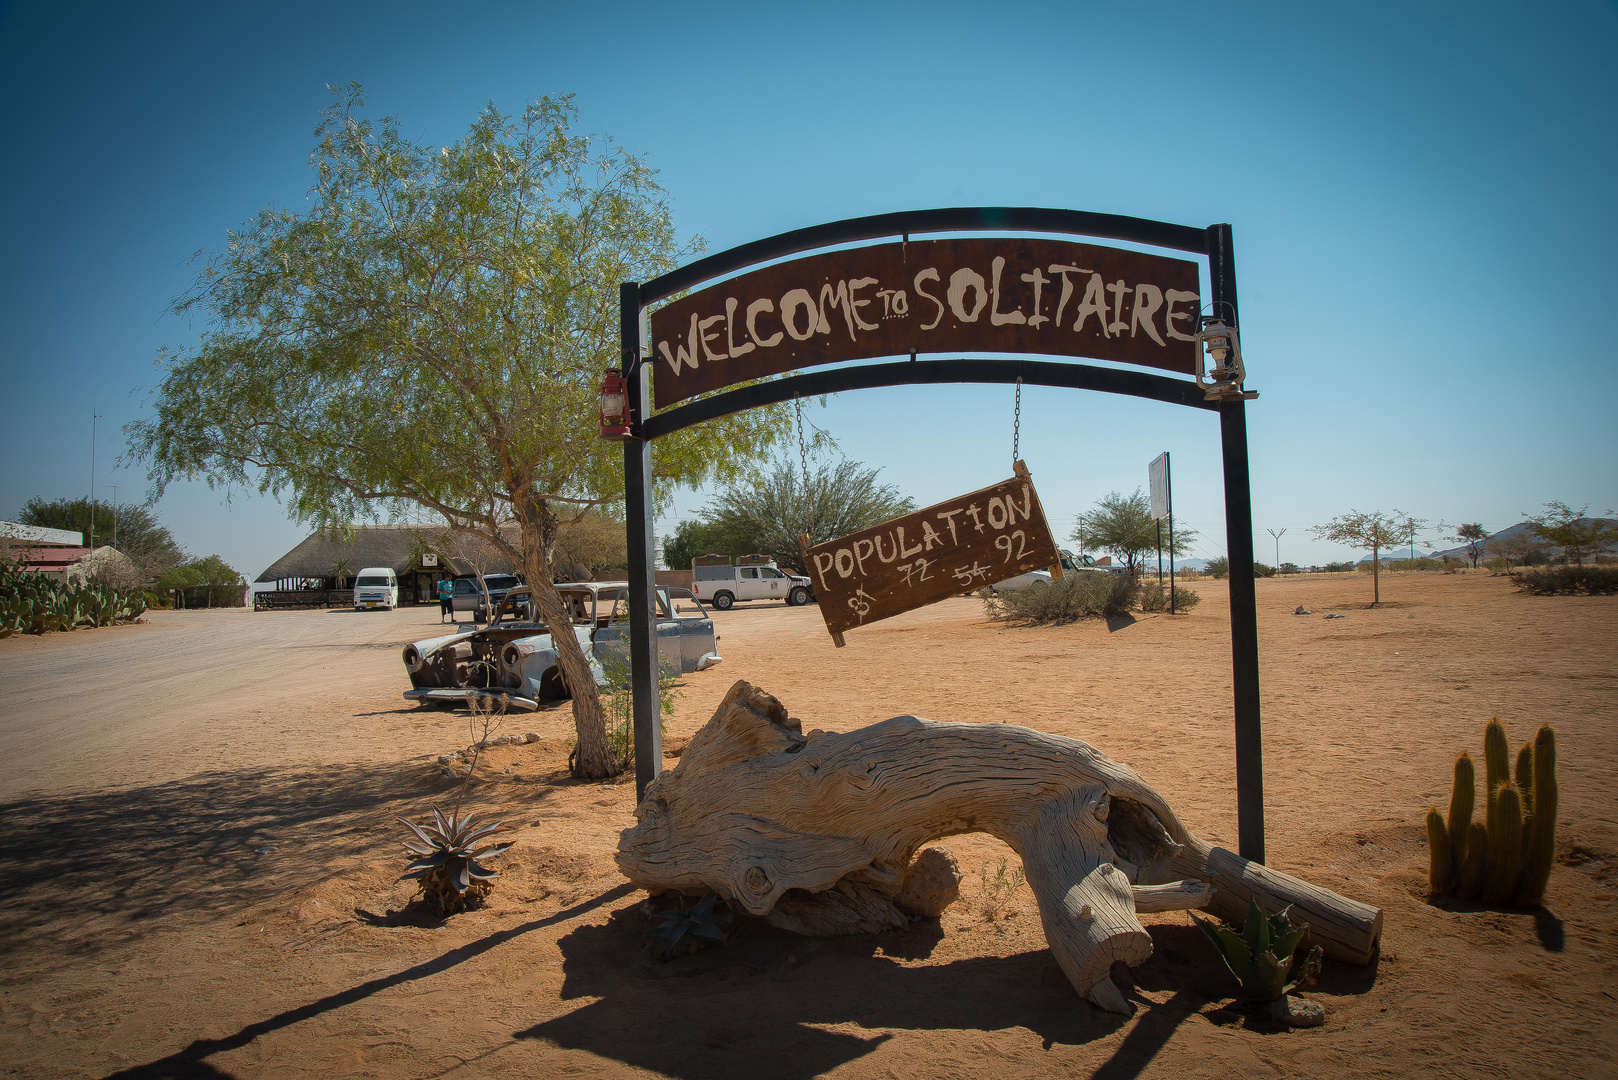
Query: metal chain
point(1016, 424)
point(803, 457)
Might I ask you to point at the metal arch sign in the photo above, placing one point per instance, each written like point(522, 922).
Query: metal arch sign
point(996, 295)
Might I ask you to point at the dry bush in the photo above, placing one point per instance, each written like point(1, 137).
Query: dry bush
point(1155, 597)
point(1075, 596)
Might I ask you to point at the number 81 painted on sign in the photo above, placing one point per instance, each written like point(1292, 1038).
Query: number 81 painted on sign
point(1004, 544)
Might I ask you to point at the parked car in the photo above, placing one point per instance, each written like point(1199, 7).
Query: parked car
point(468, 595)
point(517, 663)
point(1071, 563)
point(376, 587)
point(723, 585)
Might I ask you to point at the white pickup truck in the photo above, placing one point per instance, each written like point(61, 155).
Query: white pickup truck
point(722, 584)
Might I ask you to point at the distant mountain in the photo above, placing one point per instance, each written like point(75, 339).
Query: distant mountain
point(1504, 534)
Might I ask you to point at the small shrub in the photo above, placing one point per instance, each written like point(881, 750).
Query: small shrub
point(1155, 597)
point(617, 704)
point(1338, 567)
point(1263, 570)
point(1218, 568)
point(1077, 595)
point(1568, 580)
point(996, 893)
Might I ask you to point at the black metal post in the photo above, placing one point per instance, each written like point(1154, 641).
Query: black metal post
point(1243, 598)
point(1168, 484)
point(638, 511)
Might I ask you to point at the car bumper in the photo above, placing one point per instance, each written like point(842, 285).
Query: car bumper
point(470, 694)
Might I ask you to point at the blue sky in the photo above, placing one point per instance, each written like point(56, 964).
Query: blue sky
point(1421, 196)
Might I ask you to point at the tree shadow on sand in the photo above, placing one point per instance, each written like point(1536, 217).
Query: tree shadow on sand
point(81, 870)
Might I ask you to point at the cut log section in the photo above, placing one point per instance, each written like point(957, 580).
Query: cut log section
point(816, 832)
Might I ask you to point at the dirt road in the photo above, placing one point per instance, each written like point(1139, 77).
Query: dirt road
point(199, 859)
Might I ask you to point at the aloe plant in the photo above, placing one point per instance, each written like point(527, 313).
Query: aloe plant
point(448, 856)
point(685, 930)
point(1261, 956)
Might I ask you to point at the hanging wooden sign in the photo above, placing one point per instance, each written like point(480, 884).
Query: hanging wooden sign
point(980, 294)
point(930, 555)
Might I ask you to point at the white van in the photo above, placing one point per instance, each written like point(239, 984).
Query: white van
point(376, 587)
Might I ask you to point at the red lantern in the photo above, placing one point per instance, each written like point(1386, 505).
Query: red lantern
point(614, 406)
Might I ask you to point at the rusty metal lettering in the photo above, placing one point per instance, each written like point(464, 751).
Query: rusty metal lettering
point(983, 295)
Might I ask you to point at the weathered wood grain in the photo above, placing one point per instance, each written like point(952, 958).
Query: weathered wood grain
point(816, 832)
point(932, 554)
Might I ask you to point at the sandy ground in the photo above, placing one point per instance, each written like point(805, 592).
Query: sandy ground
point(198, 854)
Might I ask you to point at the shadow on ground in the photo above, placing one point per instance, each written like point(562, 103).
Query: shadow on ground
point(79, 870)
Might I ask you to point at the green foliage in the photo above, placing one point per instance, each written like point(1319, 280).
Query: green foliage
point(684, 930)
point(1568, 580)
point(1155, 597)
point(1263, 570)
point(997, 890)
point(1338, 568)
point(1569, 529)
point(1474, 536)
point(448, 859)
point(1507, 858)
point(764, 512)
point(618, 703)
point(35, 603)
point(694, 537)
point(1371, 531)
point(1218, 568)
point(428, 332)
point(1075, 596)
point(1124, 526)
point(1261, 956)
point(139, 534)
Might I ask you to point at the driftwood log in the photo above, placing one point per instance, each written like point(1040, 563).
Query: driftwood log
point(816, 832)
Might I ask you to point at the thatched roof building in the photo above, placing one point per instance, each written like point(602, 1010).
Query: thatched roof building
point(427, 551)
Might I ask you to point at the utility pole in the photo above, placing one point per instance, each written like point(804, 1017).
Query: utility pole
point(114, 488)
point(1277, 536)
point(90, 541)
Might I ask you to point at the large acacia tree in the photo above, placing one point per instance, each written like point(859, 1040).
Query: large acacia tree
point(1123, 525)
point(431, 332)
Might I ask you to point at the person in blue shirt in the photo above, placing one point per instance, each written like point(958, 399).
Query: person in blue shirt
point(446, 599)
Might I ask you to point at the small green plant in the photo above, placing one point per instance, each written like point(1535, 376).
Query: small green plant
point(617, 704)
point(1507, 858)
point(447, 863)
point(446, 855)
point(685, 930)
point(1218, 568)
point(996, 892)
point(1261, 956)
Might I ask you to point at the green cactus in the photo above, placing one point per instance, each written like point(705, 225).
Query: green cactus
point(1524, 775)
point(1469, 881)
point(1461, 798)
point(1441, 859)
point(1505, 847)
point(1541, 838)
point(1496, 766)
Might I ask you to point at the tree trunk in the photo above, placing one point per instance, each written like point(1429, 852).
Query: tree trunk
point(816, 834)
point(594, 759)
point(1376, 575)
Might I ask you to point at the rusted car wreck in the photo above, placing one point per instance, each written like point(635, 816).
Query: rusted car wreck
point(516, 663)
